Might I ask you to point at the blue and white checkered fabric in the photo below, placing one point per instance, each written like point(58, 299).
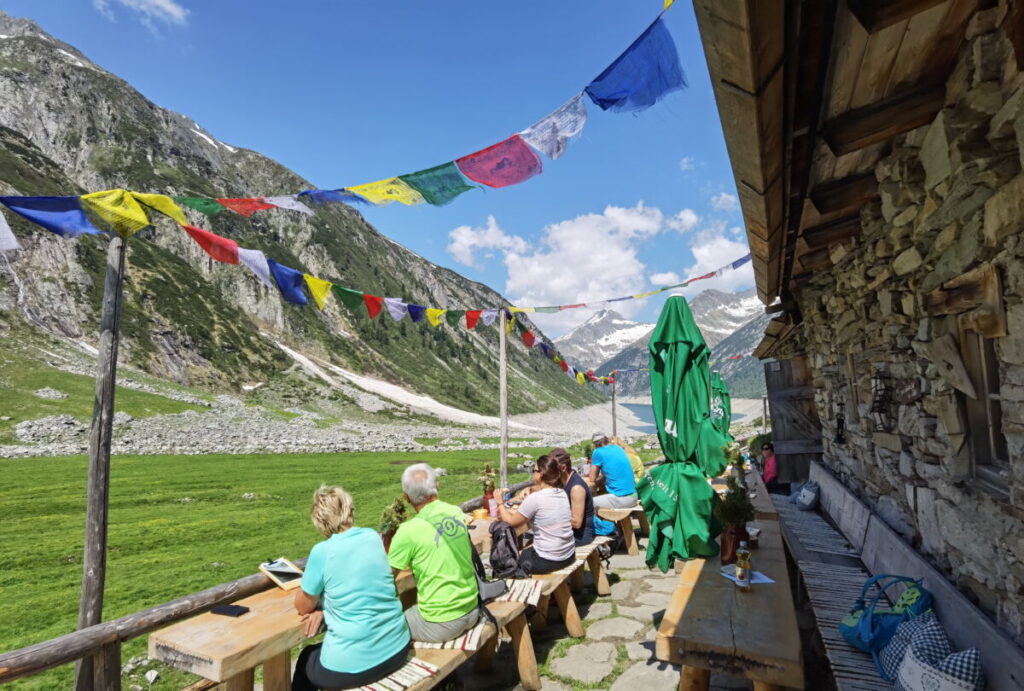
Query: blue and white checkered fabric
point(919, 652)
point(928, 637)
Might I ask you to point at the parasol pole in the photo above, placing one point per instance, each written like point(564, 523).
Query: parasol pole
point(503, 401)
point(95, 671)
point(615, 432)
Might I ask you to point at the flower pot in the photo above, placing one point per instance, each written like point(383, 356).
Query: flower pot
point(490, 504)
point(731, 538)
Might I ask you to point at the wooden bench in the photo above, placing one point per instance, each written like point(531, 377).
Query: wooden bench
point(228, 650)
point(624, 517)
point(556, 585)
point(590, 555)
point(834, 558)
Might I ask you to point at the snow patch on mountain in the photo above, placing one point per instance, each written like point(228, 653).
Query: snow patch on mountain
point(599, 338)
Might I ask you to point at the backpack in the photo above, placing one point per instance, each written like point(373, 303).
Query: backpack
point(869, 629)
point(487, 590)
point(504, 549)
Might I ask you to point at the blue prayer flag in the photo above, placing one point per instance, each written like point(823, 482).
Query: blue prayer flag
point(61, 215)
point(416, 312)
point(289, 282)
point(332, 197)
point(646, 71)
point(740, 262)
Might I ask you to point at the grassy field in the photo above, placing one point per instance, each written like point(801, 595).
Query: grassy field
point(178, 524)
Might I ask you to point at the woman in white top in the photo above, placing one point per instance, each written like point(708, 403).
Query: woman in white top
point(547, 511)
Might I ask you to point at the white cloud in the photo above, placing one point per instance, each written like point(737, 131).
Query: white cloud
point(465, 241)
point(713, 248)
point(666, 278)
point(685, 220)
point(687, 163)
point(167, 11)
point(723, 201)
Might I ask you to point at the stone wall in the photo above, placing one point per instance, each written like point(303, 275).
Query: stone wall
point(951, 198)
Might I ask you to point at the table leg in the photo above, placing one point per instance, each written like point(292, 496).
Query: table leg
point(599, 574)
point(694, 679)
point(277, 672)
point(570, 615)
point(243, 681)
point(526, 660)
point(483, 661)
point(629, 536)
point(765, 686)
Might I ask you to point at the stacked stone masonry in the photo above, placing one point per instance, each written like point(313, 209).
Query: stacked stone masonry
point(951, 199)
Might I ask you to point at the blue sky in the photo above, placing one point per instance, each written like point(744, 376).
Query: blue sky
point(355, 91)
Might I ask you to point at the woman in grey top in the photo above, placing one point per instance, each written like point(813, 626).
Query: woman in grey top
point(546, 509)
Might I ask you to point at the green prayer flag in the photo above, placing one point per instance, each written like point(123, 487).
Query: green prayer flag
point(438, 185)
point(353, 299)
point(547, 310)
point(210, 207)
point(676, 495)
point(453, 317)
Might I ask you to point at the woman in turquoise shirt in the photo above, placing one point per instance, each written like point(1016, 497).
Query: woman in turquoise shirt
point(348, 584)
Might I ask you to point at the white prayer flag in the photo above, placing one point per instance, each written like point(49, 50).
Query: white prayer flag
point(257, 263)
point(289, 201)
point(396, 308)
point(551, 135)
point(7, 239)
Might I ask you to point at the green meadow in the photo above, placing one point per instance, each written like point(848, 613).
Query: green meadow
point(178, 524)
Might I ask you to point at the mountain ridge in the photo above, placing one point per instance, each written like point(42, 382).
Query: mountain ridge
point(68, 126)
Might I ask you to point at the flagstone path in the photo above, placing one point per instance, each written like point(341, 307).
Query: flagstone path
point(618, 650)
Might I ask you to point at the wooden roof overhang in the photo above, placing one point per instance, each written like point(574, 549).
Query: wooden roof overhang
point(810, 92)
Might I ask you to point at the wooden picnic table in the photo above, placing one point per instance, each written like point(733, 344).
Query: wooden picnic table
point(763, 507)
point(711, 625)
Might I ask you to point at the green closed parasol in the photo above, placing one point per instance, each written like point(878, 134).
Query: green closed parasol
point(721, 405)
point(676, 495)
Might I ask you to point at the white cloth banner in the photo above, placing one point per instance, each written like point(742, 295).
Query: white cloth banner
point(7, 239)
point(257, 263)
point(289, 201)
point(488, 316)
point(396, 308)
point(551, 135)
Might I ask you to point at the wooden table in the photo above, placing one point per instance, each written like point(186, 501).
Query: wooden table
point(764, 509)
point(480, 533)
point(712, 625)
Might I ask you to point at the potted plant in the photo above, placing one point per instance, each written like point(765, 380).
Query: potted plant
point(392, 517)
point(487, 480)
point(734, 511)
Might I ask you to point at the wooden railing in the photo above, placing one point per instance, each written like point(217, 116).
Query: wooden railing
point(102, 642)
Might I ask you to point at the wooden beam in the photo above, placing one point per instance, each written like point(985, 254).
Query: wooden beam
point(883, 120)
point(832, 232)
point(816, 260)
point(847, 193)
point(875, 15)
point(1013, 24)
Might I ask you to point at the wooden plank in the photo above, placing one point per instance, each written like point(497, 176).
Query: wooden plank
point(277, 672)
point(821, 236)
point(798, 446)
point(875, 15)
point(1002, 660)
point(848, 512)
point(848, 193)
point(923, 30)
point(883, 120)
point(711, 624)
point(816, 260)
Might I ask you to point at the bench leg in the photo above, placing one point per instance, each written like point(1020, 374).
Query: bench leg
point(694, 679)
point(484, 658)
point(526, 660)
point(277, 673)
point(243, 681)
point(540, 618)
point(576, 580)
point(598, 573)
point(645, 525)
point(570, 615)
point(629, 536)
point(765, 686)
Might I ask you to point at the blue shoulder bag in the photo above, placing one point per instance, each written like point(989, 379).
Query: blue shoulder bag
point(869, 628)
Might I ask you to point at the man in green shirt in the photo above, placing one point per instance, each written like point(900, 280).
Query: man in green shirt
point(435, 544)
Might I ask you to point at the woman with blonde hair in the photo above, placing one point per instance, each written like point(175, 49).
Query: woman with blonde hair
point(639, 471)
point(348, 585)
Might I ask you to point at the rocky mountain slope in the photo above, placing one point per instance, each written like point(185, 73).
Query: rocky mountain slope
point(68, 126)
point(601, 337)
point(732, 323)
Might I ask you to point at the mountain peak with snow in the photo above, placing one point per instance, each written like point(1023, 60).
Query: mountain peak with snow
point(599, 338)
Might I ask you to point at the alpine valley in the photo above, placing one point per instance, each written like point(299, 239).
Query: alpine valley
point(67, 126)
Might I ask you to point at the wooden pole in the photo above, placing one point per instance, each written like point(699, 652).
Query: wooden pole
point(764, 414)
point(503, 402)
point(615, 425)
point(94, 672)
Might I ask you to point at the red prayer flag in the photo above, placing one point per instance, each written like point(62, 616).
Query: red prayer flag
point(572, 307)
point(701, 278)
point(374, 304)
point(506, 163)
point(472, 317)
point(564, 365)
point(222, 249)
point(246, 207)
point(529, 339)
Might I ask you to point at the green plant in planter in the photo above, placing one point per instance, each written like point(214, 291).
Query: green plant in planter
point(735, 508)
point(487, 478)
point(393, 516)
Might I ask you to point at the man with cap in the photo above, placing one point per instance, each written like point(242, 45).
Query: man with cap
point(618, 474)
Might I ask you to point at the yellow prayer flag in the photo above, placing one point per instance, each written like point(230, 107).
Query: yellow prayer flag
point(163, 204)
point(647, 295)
point(319, 289)
point(119, 209)
point(668, 4)
point(522, 309)
point(580, 378)
point(387, 191)
point(509, 323)
point(434, 315)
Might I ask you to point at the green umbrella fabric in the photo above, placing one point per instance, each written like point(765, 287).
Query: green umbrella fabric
point(676, 495)
point(721, 405)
